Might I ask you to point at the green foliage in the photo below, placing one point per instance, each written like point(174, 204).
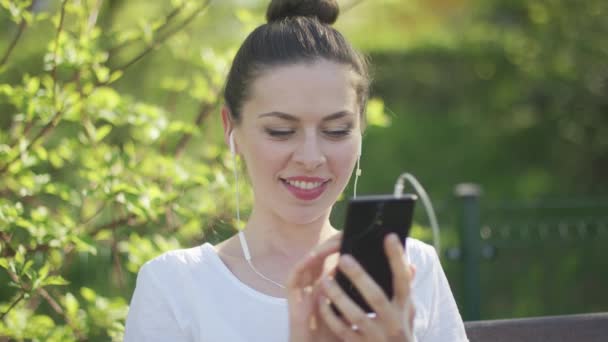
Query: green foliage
point(94, 176)
point(515, 100)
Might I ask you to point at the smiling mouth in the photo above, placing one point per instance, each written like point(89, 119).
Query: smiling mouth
point(305, 190)
point(303, 185)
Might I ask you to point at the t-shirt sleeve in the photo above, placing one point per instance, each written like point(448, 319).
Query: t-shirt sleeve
point(445, 322)
point(150, 316)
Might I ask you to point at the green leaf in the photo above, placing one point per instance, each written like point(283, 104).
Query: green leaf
point(4, 263)
point(44, 271)
point(102, 73)
point(32, 85)
point(55, 280)
point(27, 266)
point(20, 255)
point(115, 75)
point(6, 90)
point(84, 244)
point(71, 304)
point(88, 294)
point(102, 132)
point(375, 113)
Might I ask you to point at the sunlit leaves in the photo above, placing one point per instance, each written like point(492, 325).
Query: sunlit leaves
point(91, 170)
point(375, 113)
point(18, 9)
point(140, 249)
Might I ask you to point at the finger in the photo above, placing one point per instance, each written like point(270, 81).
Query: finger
point(335, 323)
point(410, 315)
point(309, 269)
point(372, 293)
point(350, 310)
point(412, 312)
point(302, 278)
point(399, 268)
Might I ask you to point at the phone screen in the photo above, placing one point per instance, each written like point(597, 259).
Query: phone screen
point(368, 220)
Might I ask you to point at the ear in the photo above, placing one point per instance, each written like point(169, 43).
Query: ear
point(227, 123)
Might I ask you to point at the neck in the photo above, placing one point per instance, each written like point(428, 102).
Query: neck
point(269, 235)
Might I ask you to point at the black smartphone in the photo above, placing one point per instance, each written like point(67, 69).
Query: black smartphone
point(369, 219)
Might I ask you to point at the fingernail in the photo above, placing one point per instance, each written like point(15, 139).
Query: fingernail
point(308, 290)
point(393, 238)
point(312, 324)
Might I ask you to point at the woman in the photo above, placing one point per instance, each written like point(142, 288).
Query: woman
point(295, 100)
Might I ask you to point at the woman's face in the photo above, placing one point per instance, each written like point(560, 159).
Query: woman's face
point(299, 136)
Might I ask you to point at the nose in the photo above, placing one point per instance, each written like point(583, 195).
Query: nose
point(309, 154)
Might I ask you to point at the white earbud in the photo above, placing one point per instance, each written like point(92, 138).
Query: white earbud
point(231, 142)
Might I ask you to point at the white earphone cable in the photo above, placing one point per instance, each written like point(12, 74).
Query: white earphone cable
point(428, 206)
point(242, 239)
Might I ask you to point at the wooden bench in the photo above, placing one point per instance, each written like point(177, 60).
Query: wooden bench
point(572, 328)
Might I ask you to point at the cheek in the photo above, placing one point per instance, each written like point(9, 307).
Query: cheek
point(342, 160)
point(267, 157)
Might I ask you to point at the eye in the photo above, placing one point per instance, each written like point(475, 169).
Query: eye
point(338, 133)
point(279, 133)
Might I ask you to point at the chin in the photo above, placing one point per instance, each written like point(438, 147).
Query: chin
point(303, 215)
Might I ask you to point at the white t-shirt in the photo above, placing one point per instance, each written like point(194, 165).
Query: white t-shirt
point(191, 295)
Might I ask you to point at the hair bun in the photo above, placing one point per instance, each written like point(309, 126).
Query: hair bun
point(325, 10)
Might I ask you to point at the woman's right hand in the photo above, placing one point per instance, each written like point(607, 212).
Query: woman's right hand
point(303, 293)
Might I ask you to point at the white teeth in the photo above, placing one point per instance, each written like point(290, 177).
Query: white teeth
point(304, 185)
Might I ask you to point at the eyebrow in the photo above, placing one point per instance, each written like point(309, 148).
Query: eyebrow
point(289, 117)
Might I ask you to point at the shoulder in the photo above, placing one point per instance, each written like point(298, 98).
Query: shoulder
point(161, 306)
point(175, 262)
point(420, 253)
point(426, 261)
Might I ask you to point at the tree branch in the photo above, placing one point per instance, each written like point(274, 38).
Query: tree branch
point(59, 29)
point(52, 302)
point(13, 43)
point(55, 119)
point(8, 250)
point(117, 263)
point(162, 39)
point(112, 225)
point(11, 46)
point(21, 296)
point(204, 112)
point(59, 310)
point(43, 132)
point(165, 24)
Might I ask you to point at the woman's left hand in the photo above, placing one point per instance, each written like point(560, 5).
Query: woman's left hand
point(394, 317)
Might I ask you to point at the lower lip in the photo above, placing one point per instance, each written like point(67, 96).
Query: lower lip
point(306, 195)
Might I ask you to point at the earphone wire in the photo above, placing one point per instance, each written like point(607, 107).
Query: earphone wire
point(357, 174)
point(244, 245)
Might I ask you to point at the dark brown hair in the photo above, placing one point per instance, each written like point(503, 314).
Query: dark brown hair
point(297, 31)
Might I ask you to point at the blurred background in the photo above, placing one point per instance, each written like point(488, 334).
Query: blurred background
point(111, 147)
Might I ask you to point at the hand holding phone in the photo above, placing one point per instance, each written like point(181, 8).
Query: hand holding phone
point(369, 220)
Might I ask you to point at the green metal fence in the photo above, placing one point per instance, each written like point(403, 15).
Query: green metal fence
point(529, 257)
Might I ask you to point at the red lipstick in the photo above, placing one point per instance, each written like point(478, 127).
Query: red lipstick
point(305, 194)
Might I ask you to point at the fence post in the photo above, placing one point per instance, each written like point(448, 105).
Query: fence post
point(470, 246)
